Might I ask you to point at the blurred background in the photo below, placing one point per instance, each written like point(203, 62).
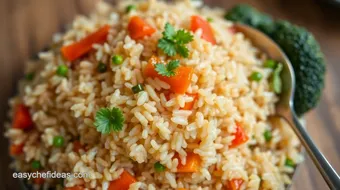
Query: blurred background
point(27, 27)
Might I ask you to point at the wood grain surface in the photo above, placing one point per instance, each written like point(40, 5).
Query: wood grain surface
point(27, 26)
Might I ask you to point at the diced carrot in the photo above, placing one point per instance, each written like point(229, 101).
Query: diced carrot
point(123, 182)
point(38, 180)
point(77, 49)
point(234, 184)
point(138, 28)
point(207, 33)
point(16, 149)
point(22, 118)
point(193, 162)
point(178, 83)
point(78, 187)
point(77, 146)
point(240, 136)
point(181, 189)
point(190, 105)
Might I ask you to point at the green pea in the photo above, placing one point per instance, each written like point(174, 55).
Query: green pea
point(102, 67)
point(117, 59)
point(270, 64)
point(289, 162)
point(36, 164)
point(29, 76)
point(129, 8)
point(267, 135)
point(58, 141)
point(62, 70)
point(159, 167)
point(256, 76)
point(209, 19)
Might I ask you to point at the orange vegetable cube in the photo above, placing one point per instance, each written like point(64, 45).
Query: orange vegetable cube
point(138, 28)
point(77, 49)
point(207, 33)
point(22, 118)
point(193, 162)
point(240, 136)
point(178, 83)
point(123, 182)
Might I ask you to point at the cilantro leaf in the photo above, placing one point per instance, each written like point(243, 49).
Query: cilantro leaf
point(167, 46)
point(108, 120)
point(173, 42)
point(167, 70)
point(169, 31)
point(182, 50)
point(183, 37)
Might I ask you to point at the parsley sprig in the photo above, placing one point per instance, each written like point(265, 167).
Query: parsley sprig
point(167, 70)
point(173, 42)
point(108, 120)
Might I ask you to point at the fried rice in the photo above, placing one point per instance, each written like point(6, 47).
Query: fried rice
point(156, 128)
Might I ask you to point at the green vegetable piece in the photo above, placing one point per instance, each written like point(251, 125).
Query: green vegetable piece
point(117, 59)
point(276, 82)
point(159, 167)
point(307, 60)
point(58, 141)
point(301, 48)
point(270, 64)
point(289, 163)
point(173, 42)
point(62, 70)
point(246, 14)
point(36, 164)
point(129, 8)
point(29, 76)
point(167, 70)
point(209, 19)
point(268, 135)
point(108, 120)
point(137, 88)
point(102, 67)
point(256, 76)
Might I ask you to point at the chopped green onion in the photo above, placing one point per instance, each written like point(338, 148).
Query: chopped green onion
point(29, 76)
point(129, 8)
point(267, 135)
point(209, 19)
point(101, 67)
point(36, 164)
point(58, 141)
point(117, 59)
point(159, 167)
point(62, 70)
point(276, 83)
point(270, 64)
point(137, 88)
point(256, 76)
point(289, 163)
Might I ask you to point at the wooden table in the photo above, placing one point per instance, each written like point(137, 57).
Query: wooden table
point(27, 26)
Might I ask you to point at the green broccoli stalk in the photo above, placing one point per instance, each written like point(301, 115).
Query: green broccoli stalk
point(300, 47)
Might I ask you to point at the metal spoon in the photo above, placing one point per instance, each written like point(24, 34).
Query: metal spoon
point(284, 107)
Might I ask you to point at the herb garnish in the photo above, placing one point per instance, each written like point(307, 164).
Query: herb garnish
point(173, 42)
point(167, 70)
point(108, 120)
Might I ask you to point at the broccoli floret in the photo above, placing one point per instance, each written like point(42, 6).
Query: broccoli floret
point(301, 48)
point(246, 14)
point(308, 62)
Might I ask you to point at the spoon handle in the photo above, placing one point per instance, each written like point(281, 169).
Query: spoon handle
point(327, 171)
